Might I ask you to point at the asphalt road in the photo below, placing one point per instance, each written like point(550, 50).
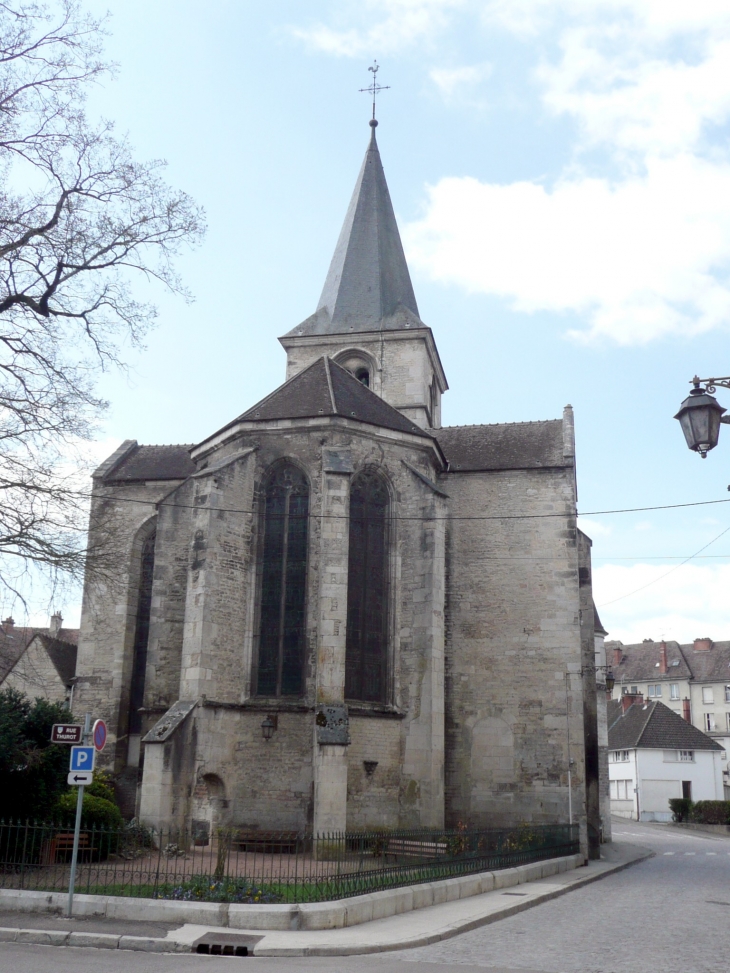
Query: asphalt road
point(670, 914)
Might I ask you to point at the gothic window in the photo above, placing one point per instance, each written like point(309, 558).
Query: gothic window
point(367, 590)
point(141, 634)
point(283, 583)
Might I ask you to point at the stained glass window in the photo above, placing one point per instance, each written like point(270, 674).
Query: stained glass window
point(367, 590)
point(141, 634)
point(283, 583)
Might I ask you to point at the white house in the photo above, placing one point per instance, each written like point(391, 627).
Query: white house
point(655, 755)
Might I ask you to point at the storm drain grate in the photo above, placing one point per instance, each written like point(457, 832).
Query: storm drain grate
point(514, 893)
point(225, 944)
point(221, 949)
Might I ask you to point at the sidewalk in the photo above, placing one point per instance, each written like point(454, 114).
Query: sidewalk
point(416, 928)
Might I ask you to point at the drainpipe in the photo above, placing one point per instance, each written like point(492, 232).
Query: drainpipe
point(636, 789)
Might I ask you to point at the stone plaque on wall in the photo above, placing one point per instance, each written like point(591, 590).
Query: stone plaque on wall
point(333, 724)
point(337, 461)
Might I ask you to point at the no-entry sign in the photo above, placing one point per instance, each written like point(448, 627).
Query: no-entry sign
point(66, 733)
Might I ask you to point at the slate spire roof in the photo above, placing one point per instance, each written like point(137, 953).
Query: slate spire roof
point(327, 389)
point(368, 287)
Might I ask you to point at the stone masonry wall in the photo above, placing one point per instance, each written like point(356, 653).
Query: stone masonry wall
point(512, 634)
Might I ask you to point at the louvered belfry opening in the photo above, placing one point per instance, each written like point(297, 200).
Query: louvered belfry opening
point(141, 634)
point(283, 583)
point(366, 665)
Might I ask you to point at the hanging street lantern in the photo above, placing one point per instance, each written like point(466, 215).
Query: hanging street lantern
point(269, 726)
point(610, 682)
point(700, 415)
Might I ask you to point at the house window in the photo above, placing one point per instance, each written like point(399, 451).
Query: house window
point(283, 583)
point(620, 756)
point(634, 690)
point(655, 691)
point(141, 635)
point(710, 722)
point(674, 690)
point(366, 652)
point(727, 716)
point(727, 694)
point(707, 694)
point(621, 790)
point(686, 756)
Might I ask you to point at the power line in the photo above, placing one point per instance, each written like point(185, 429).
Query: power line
point(661, 577)
point(451, 517)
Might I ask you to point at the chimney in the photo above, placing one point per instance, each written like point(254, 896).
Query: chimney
point(617, 655)
point(55, 626)
point(686, 710)
point(630, 699)
point(8, 625)
point(702, 645)
point(663, 657)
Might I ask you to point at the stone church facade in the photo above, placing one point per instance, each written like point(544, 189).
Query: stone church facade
point(335, 613)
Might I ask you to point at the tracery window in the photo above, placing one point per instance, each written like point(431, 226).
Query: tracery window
point(141, 634)
point(283, 583)
point(366, 661)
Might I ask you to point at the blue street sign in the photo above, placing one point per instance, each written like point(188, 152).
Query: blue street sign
point(82, 758)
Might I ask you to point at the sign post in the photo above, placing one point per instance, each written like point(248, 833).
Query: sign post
point(81, 763)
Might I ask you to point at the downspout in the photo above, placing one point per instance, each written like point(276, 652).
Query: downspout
point(636, 789)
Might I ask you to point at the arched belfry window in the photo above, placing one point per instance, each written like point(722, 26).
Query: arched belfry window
point(283, 583)
point(367, 590)
point(141, 634)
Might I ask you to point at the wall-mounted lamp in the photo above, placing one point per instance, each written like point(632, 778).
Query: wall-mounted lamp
point(270, 725)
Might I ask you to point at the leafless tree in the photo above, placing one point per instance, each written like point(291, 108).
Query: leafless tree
point(80, 217)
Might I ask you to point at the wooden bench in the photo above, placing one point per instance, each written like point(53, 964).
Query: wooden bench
point(271, 842)
point(62, 842)
point(414, 848)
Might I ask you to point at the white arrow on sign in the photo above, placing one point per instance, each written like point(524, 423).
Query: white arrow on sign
point(78, 778)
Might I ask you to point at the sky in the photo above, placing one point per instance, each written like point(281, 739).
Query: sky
point(560, 170)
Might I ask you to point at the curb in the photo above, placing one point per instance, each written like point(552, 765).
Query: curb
point(451, 930)
point(148, 944)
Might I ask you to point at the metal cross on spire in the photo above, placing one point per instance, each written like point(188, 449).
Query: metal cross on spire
point(374, 88)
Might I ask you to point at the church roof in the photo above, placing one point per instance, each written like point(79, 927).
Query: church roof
point(327, 389)
point(368, 287)
point(653, 726)
point(134, 463)
point(504, 446)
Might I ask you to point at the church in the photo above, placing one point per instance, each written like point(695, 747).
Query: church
point(335, 613)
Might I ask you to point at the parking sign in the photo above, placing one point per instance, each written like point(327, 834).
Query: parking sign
point(82, 758)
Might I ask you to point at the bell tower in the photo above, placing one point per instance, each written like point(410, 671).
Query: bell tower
point(367, 318)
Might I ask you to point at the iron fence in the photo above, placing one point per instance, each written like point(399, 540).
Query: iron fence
point(241, 865)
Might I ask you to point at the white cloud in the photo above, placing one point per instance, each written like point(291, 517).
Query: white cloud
point(689, 603)
point(642, 258)
point(379, 26)
point(594, 528)
point(453, 82)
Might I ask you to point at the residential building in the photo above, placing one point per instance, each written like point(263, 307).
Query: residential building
point(39, 662)
point(655, 755)
point(692, 679)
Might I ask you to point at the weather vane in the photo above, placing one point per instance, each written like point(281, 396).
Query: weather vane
point(374, 88)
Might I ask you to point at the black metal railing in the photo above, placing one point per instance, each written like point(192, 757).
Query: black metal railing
point(242, 865)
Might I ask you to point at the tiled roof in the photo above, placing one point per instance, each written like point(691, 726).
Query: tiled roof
point(151, 463)
point(653, 726)
point(640, 662)
point(505, 446)
point(63, 656)
point(327, 389)
point(13, 642)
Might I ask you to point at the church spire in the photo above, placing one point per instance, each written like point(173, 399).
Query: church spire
point(368, 287)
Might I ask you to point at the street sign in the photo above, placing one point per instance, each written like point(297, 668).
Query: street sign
point(98, 734)
point(66, 733)
point(80, 779)
point(82, 759)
